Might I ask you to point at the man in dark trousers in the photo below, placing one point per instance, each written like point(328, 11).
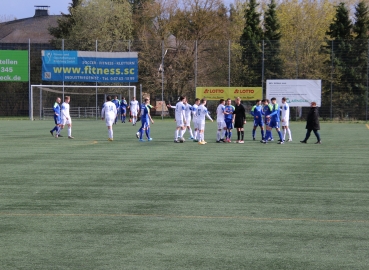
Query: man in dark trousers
point(239, 119)
point(312, 123)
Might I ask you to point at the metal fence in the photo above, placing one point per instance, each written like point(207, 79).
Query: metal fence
point(171, 68)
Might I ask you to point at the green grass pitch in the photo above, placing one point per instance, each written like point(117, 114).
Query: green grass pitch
point(92, 204)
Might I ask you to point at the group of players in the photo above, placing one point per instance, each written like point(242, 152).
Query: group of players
point(230, 117)
point(266, 114)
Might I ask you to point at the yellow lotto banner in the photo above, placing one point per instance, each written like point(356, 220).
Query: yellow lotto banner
point(216, 93)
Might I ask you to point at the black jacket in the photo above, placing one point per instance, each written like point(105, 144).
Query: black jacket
point(312, 121)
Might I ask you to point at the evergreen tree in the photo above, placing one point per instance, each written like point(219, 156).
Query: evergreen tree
point(340, 32)
point(250, 42)
point(272, 44)
point(360, 57)
point(66, 23)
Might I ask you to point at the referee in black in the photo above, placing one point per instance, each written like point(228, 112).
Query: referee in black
point(239, 119)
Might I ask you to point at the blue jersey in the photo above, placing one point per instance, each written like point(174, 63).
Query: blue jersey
point(257, 110)
point(145, 112)
point(229, 109)
point(56, 108)
point(274, 116)
point(123, 104)
point(116, 102)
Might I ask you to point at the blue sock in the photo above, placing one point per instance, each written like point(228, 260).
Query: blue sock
point(148, 132)
point(280, 135)
point(226, 134)
point(230, 135)
point(262, 135)
point(141, 133)
point(253, 133)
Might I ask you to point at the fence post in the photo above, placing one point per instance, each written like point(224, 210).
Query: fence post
point(262, 70)
point(229, 63)
point(367, 84)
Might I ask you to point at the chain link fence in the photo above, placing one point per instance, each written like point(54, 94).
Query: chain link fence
point(168, 69)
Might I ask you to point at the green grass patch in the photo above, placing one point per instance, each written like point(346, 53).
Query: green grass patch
point(92, 204)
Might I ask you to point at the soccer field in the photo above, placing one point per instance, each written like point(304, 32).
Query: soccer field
point(92, 204)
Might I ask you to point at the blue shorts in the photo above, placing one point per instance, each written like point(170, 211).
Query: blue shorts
point(258, 122)
point(123, 110)
point(57, 119)
point(145, 123)
point(274, 124)
point(229, 124)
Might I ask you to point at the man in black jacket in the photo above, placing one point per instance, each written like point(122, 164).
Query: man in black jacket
point(312, 123)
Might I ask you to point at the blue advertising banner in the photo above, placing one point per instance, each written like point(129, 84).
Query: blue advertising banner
point(83, 66)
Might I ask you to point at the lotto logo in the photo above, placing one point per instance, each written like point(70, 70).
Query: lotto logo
point(244, 91)
point(206, 91)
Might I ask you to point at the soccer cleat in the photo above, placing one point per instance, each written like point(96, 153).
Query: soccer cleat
point(201, 142)
point(303, 141)
point(138, 135)
point(204, 142)
point(263, 141)
point(52, 133)
point(110, 139)
point(60, 135)
point(176, 141)
point(149, 139)
point(281, 142)
point(70, 137)
point(222, 140)
point(289, 140)
point(141, 140)
point(195, 140)
point(253, 139)
point(191, 138)
point(217, 141)
point(270, 140)
point(241, 142)
point(318, 142)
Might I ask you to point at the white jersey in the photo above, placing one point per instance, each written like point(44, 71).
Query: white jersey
point(220, 113)
point(188, 110)
point(194, 110)
point(65, 110)
point(109, 110)
point(201, 112)
point(133, 105)
point(285, 112)
point(180, 111)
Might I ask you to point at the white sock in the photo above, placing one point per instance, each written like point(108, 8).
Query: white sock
point(218, 135)
point(289, 134)
point(69, 131)
point(111, 133)
point(195, 134)
point(176, 134)
point(284, 134)
point(183, 131)
point(191, 134)
point(223, 134)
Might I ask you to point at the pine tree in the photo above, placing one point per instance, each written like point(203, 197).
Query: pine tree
point(360, 57)
point(66, 23)
point(272, 44)
point(250, 42)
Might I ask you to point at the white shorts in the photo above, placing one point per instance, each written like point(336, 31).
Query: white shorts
point(285, 123)
point(134, 113)
point(180, 123)
point(109, 121)
point(221, 125)
point(201, 125)
point(188, 121)
point(195, 125)
point(64, 121)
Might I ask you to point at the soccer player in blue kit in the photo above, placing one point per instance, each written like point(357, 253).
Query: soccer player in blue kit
point(145, 120)
point(228, 117)
point(257, 113)
point(267, 110)
point(274, 120)
point(117, 105)
point(123, 110)
point(57, 119)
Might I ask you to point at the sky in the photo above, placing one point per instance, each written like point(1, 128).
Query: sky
point(26, 8)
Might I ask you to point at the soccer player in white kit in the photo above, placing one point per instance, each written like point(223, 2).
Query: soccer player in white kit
point(180, 120)
point(194, 119)
point(65, 117)
point(285, 108)
point(220, 121)
point(134, 108)
point(188, 112)
point(201, 112)
point(109, 113)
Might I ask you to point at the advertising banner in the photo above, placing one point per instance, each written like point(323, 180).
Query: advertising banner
point(13, 66)
point(216, 93)
point(81, 66)
point(299, 93)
